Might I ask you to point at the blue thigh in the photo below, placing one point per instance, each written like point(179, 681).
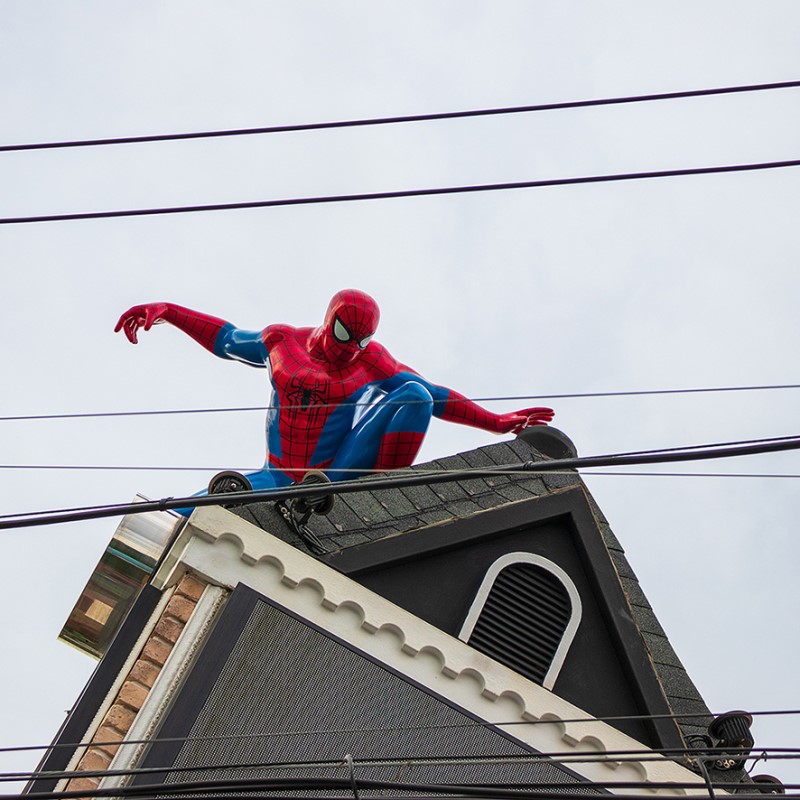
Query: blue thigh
point(407, 408)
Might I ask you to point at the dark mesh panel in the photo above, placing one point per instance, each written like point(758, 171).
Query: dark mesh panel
point(317, 700)
point(523, 620)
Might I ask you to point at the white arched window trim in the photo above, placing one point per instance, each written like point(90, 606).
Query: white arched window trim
point(486, 586)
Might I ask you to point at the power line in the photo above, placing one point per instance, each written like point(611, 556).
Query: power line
point(160, 412)
point(127, 468)
point(508, 470)
point(364, 764)
point(694, 453)
point(396, 760)
point(574, 790)
point(507, 398)
point(683, 448)
point(405, 761)
point(123, 468)
point(447, 190)
point(680, 755)
point(419, 471)
point(694, 474)
point(405, 729)
point(374, 121)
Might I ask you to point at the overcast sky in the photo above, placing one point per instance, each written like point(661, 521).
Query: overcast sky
point(673, 283)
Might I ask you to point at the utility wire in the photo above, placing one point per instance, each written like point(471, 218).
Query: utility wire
point(407, 470)
point(358, 404)
point(58, 775)
point(275, 791)
point(581, 757)
point(391, 762)
point(696, 474)
point(421, 792)
point(128, 468)
point(508, 470)
point(121, 468)
point(397, 481)
point(680, 755)
point(398, 761)
point(574, 791)
point(584, 757)
point(447, 190)
point(373, 121)
point(404, 729)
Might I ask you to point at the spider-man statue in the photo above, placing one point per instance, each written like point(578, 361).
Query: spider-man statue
point(341, 403)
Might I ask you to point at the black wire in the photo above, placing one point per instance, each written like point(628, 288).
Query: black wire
point(164, 412)
point(684, 448)
point(368, 763)
point(122, 467)
point(344, 198)
point(417, 470)
point(164, 791)
point(678, 756)
point(706, 777)
point(401, 481)
point(411, 479)
point(402, 728)
point(506, 470)
point(749, 475)
point(99, 468)
point(284, 784)
point(353, 123)
point(428, 793)
point(306, 783)
point(89, 415)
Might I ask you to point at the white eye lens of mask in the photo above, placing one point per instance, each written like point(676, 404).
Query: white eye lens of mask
point(365, 341)
point(340, 332)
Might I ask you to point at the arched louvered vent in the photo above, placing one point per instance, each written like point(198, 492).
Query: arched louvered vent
point(524, 618)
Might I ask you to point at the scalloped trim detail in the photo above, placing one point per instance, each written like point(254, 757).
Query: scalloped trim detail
point(351, 611)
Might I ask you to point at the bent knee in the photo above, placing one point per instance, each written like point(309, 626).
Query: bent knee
point(416, 393)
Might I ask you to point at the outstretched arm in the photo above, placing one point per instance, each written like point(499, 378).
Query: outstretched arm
point(451, 406)
point(216, 335)
point(458, 408)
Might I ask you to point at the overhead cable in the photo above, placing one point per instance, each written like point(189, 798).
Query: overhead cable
point(576, 790)
point(749, 475)
point(526, 723)
point(396, 761)
point(508, 470)
point(507, 398)
point(404, 470)
point(580, 757)
point(399, 761)
point(446, 190)
point(399, 481)
point(373, 121)
point(123, 468)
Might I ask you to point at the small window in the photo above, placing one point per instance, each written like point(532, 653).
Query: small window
point(525, 615)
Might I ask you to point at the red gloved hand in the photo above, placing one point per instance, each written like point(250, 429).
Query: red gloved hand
point(144, 316)
point(515, 421)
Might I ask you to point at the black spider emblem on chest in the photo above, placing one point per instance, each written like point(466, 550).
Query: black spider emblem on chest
point(307, 399)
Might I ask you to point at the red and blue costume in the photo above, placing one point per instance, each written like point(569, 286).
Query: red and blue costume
point(341, 403)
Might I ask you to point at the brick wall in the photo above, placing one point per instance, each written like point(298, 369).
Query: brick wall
point(119, 718)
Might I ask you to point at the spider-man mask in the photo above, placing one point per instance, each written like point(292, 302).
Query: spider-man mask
point(350, 323)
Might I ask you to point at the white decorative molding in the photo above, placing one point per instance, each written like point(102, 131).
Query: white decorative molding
point(166, 685)
point(226, 550)
point(575, 599)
